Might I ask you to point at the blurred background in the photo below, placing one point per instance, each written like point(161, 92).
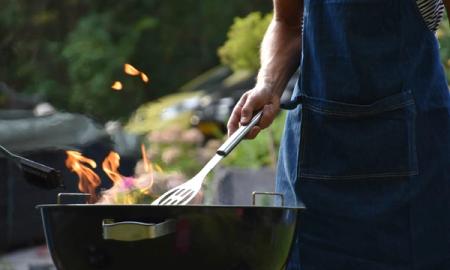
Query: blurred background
point(154, 81)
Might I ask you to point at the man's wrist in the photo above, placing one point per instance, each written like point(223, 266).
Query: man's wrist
point(269, 83)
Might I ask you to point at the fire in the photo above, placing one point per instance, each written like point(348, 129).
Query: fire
point(117, 86)
point(110, 166)
point(130, 70)
point(144, 158)
point(144, 77)
point(125, 189)
point(88, 180)
point(148, 168)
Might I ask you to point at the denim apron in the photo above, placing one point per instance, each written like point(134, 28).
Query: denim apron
point(367, 149)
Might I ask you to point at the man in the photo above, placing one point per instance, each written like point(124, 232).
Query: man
point(367, 149)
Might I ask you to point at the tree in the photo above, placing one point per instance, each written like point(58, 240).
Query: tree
point(241, 50)
point(70, 52)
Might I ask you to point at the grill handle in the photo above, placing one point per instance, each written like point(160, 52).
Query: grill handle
point(256, 193)
point(130, 231)
point(238, 135)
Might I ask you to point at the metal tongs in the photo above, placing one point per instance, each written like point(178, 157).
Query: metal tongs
point(184, 193)
point(33, 172)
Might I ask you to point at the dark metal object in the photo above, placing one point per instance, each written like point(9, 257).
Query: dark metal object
point(204, 237)
point(42, 267)
point(72, 198)
point(40, 175)
point(35, 173)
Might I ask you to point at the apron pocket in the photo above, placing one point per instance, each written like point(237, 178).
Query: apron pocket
point(349, 141)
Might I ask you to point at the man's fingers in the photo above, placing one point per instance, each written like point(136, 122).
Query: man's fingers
point(235, 117)
point(269, 113)
point(248, 105)
point(251, 105)
point(246, 112)
point(233, 122)
point(253, 132)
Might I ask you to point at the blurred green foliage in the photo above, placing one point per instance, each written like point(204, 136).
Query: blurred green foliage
point(443, 35)
point(70, 52)
point(147, 117)
point(241, 50)
point(95, 62)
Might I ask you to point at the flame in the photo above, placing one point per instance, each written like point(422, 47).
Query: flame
point(88, 180)
point(117, 86)
point(125, 189)
point(148, 168)
point(144, 158)
point(110, 166)
point(144, 77)
point(130, 70)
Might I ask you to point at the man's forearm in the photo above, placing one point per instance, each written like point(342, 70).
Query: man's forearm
point(281, 46)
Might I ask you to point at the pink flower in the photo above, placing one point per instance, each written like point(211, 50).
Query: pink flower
point(128, 182)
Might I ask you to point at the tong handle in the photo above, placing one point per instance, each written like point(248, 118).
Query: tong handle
point(237, 136)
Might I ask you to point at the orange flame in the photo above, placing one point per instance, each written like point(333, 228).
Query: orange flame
point(117, 86)
point(144, 157)
point(123, 190)
point(144, 77)
point(88, 180)
point(110, 166)
point(130, 70)
point(148, 168)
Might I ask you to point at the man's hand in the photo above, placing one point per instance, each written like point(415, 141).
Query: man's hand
point(259, 98)
point(280, 57)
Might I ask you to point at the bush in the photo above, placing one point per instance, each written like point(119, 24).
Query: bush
point(70, 52)
point(241, 50)
point(443, 35)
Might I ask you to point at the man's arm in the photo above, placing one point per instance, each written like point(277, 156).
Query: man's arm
point(281, 46)
point(280, 57)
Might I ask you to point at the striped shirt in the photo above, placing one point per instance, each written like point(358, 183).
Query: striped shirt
point(432, 12)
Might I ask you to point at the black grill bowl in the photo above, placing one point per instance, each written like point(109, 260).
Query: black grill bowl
point(202, 237)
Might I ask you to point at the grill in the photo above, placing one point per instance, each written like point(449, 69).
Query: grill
point(83, 236)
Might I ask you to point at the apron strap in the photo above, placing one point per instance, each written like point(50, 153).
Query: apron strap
point(292, 104)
